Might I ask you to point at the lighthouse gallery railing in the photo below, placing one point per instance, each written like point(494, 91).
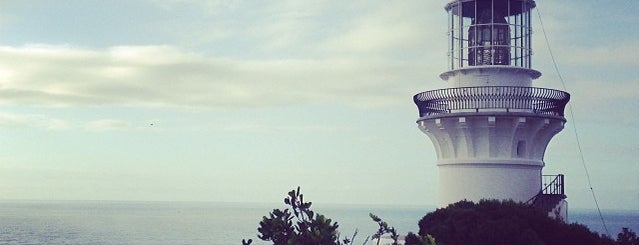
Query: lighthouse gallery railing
point(508, 98)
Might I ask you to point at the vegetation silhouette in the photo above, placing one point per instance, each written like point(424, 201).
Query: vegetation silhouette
point(465, 222)
point(502, 222)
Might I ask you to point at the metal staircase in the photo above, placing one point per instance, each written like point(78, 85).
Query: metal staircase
point(550, 195)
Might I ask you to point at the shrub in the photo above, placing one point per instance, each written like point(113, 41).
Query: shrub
point(497, 222)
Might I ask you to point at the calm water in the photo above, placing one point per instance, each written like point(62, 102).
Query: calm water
point(202, 223)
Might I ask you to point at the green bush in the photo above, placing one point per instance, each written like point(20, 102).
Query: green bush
point(627, 237)
point(488, 222)
point(495, 222)
point(298, 225)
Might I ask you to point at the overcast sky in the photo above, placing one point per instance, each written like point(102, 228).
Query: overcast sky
point(242, 101)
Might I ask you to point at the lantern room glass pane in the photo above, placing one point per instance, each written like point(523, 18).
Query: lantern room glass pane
point(489, 32)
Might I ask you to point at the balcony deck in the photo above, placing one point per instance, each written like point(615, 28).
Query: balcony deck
point(540, 101)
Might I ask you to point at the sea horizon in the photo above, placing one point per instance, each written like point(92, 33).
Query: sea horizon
point(203, 222)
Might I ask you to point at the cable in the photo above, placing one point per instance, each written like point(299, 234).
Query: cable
point(572, 115)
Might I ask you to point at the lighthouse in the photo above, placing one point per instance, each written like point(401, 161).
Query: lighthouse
point(490, 126)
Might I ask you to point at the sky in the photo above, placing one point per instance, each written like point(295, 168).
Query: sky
point(242, 101)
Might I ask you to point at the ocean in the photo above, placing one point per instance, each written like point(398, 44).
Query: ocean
point(102, 222)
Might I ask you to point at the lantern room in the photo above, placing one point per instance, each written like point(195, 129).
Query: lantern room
point(489, 33)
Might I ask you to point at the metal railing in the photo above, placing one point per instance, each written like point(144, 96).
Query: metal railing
point(552, 190)
point(553, 184)
point(507, 98)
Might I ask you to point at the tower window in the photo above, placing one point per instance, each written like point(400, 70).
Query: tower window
point(521, 148)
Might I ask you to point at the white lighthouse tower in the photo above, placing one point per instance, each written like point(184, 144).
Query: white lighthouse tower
point(490, 127)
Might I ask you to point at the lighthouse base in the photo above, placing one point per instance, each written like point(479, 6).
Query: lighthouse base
point(476, 181)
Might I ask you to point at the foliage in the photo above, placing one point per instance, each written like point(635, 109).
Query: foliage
point(464, 222)
point(384, 229)
point(495, 222)
point(413, 239)
point(298, 225)
point(627, 237)
point(410, 238)
point(303, 226)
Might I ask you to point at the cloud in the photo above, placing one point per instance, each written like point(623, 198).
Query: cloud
point(359, 54)
point(612, 54)
point(167, 76)
point(308, 29)
point(107, 125)
point(18, 121)
point(270, 128)
point(391, 28)
point(15, 121)
point(230, 54)
point(46, 122)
